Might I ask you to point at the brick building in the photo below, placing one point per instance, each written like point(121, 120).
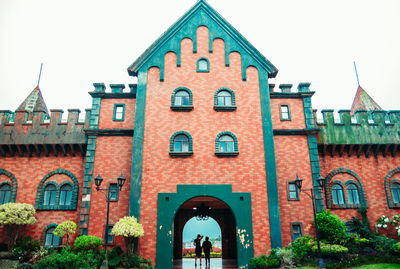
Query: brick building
point(202, 126)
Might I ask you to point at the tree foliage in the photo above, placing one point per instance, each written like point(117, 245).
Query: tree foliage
point(13, 216)
point(65, 228)
point(331, 228)
point(129, 228)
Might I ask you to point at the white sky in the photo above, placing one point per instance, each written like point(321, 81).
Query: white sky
point(82, 42)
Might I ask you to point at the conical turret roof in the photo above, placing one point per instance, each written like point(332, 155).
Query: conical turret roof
point(34, 102)
point(362, 101)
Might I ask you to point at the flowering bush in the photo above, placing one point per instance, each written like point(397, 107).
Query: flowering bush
point(13, 216)
point(65, 228)
point(382, 222)
point(129, 228)
point(395, 221)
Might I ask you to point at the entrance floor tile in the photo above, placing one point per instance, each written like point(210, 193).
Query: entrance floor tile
point(215, 263)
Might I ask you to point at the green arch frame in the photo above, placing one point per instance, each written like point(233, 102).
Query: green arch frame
point(388, 184)
point(357, 181)
point(14, 184)
point(180, 154)
point(226, 154)
point(40, 192)
point(182, 107)
point(224, 108)
point(169, 204)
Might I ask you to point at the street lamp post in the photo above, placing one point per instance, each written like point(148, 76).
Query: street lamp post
point(106, 191)
point(321, 182)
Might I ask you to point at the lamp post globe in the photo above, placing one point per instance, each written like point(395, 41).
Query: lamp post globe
point(121, 181)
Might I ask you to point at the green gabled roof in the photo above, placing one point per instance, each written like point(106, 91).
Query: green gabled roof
point(202, 14)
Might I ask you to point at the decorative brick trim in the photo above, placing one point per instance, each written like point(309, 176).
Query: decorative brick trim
point(224, 108)
point(182, 107)
point(226, 154)
point(180, 154)
point(14, 184)
point(357, 181)
point(42, 185)
point(388, 187)
point(208, 65)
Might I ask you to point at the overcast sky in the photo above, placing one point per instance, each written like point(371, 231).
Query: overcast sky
point(82, 42)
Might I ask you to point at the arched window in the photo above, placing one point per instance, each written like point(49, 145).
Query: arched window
point(337, 195)
point(181, 144)
point(181, 99)
point(203, 65)
point(65, 194)
point(5, 193)
point(50, 195)
point(396, 192)
point(224, 100)
point(352, 194)
point(51, 240)
point(226, 144)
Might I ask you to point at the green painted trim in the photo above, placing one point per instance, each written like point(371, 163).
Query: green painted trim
point(137, 147)
point(208, 65)
point(14, 184)
point(42, 185)
point(224, 108)
point(388, 188)
point(169, 204)
point(289, 114)
point(182, 107)
point(270, 163)
point(180, 154)
point(291, 230)
point(186, 27)
point(115, 111)
point(358, 182)
point(235, 151)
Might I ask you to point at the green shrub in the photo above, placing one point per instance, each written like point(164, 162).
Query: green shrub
point(260, 262)
point(382, 244)
point(396, 248)
point(87, 242)
point(302, 247)
point(287, 256)
point(331, 228)
point(24, 266)
point(67, 259)
point(273, 260)
point(24, 248)
point(331, 251)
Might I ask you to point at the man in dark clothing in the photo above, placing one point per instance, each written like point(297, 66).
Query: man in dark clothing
point(207, 247)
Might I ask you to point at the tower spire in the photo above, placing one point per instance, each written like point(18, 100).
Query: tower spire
point(40, 73)
point(355, 67)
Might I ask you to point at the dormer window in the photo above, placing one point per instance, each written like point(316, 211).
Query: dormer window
point(203, 65)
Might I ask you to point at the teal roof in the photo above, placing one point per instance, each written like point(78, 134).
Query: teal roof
point(201, 14)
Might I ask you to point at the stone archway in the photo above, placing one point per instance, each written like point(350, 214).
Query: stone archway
point(168, 207)
point(220, 212)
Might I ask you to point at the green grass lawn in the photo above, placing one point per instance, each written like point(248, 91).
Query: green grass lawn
point(370, 266)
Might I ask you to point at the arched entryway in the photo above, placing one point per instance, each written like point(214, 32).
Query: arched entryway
point(220, 212)
point(168, 208)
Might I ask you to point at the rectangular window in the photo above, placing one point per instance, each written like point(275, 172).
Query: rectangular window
point(113, 192)
point(119, 112)
point(293, 193)
point(110, 237)
point(297, 230)
point(285, 112)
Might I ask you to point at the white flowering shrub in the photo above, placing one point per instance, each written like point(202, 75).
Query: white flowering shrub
point(65, 228)
point(129, 228)
point(395, 221)
point(15, 215)
point(382, 222)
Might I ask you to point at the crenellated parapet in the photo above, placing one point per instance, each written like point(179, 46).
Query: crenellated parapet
point(27, 133)
point(367, 131)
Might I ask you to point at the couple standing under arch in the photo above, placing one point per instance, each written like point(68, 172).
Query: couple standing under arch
point(199, 248)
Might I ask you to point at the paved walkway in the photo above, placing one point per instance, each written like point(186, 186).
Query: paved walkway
point(216, 263)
